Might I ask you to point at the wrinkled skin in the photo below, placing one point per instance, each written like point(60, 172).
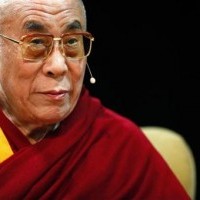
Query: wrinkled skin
point(38, 94)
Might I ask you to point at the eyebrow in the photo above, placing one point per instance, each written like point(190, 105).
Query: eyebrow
point(74, 25)
point(34, 26)
point(37, 26)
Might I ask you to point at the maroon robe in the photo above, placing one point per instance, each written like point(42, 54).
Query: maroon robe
point(95, 154)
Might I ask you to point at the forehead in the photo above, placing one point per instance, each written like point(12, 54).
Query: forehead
point(49, 13)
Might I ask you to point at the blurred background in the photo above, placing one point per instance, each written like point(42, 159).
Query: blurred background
point(146, 61)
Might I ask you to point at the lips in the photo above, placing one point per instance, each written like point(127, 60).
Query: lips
point(56, 95)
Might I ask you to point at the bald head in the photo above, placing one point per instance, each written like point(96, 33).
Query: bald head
point(8, 8)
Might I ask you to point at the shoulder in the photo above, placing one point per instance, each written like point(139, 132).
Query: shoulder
point(114, 125)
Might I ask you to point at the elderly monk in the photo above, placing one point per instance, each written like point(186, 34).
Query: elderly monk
point(56, 140)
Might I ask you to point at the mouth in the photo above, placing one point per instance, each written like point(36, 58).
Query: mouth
point(56, 95)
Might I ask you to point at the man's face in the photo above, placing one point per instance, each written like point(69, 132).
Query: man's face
point(45, 91)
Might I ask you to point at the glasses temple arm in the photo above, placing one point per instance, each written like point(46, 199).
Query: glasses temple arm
point(13, 40)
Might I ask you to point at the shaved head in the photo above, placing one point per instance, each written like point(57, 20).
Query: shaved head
point(8, 8)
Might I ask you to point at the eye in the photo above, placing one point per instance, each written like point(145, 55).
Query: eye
point(70, 41)
point(37, 41)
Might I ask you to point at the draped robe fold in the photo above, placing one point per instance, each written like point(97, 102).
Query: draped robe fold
point(95, 154)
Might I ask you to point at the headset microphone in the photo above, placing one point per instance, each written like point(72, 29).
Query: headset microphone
point(92, 79)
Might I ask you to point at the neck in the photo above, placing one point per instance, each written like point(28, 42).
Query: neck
point(31, 132)
point(39, 134)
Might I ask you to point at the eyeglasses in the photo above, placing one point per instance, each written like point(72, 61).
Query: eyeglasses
point(37, 46)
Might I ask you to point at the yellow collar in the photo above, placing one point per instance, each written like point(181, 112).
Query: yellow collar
point(5, 149)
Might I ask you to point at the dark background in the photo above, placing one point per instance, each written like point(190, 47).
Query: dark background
point(146, 59)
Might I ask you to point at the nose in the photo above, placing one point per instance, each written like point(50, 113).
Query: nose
point(55, 65)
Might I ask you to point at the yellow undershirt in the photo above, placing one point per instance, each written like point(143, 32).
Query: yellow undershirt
point(5, 149)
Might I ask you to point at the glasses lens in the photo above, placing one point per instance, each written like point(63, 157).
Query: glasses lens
point(36, 47)
point(76, 46)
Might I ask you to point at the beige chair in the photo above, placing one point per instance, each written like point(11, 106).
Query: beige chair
point(177, 153)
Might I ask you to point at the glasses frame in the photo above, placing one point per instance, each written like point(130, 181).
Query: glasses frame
point(21, 41)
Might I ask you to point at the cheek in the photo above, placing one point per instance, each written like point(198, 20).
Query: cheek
point(15, 79)
point(16, 69)
point(78, 72)
point(11, 52)
point(13, 88)
point(10, 94)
